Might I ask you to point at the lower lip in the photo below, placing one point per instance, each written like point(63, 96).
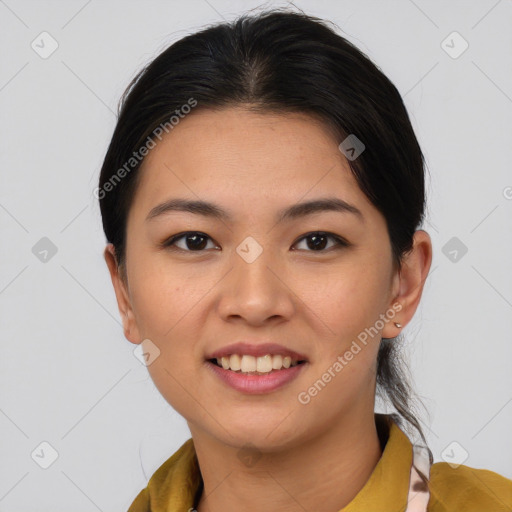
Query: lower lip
point(257, 384)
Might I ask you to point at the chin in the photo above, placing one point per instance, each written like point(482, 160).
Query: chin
point(268, 436)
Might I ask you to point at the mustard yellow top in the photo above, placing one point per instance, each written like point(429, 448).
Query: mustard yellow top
point(176, 485)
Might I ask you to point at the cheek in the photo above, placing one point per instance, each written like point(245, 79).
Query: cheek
point(348, 300)
point(166, 309)
point(164, 298)
point(176, 384)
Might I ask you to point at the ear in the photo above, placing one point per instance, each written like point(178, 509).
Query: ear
point(408, 283)
point(120, 283)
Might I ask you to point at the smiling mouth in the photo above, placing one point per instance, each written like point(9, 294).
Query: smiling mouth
point(251, 365)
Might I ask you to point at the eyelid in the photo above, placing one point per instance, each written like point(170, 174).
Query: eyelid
point(340, 242)
point(169, 242)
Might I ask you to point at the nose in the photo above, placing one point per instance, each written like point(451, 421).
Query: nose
point(256, 292)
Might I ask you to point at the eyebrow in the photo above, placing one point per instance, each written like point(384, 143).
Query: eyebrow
point(208, 209)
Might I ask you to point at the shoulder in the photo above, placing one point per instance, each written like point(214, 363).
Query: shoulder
point(175, 482)
point(141, 502)
point(468, 489)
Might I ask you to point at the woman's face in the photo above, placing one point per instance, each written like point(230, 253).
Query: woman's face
point(254, 278)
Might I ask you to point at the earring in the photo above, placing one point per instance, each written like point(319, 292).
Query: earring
point(398, 325)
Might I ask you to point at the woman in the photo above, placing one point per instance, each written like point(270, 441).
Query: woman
point(261, 197)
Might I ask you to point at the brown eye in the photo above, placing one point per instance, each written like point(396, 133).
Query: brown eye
point(318, 240)
point(194, 241)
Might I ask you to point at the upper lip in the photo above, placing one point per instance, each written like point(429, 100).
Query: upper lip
point(256, 350)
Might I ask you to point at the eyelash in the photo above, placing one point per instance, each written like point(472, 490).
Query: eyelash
point(169, 243)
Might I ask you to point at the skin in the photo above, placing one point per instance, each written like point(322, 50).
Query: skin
point(313, 301)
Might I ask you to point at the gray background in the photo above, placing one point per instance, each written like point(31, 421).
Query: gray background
point(68, 376)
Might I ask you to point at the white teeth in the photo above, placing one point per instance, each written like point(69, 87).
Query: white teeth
point(264, 364)
point(249, 364)
point(277, 362)
point(235, 362)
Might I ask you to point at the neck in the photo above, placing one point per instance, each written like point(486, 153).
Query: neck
point(335, 466)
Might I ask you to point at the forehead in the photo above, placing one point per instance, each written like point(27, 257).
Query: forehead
point(253, 158)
